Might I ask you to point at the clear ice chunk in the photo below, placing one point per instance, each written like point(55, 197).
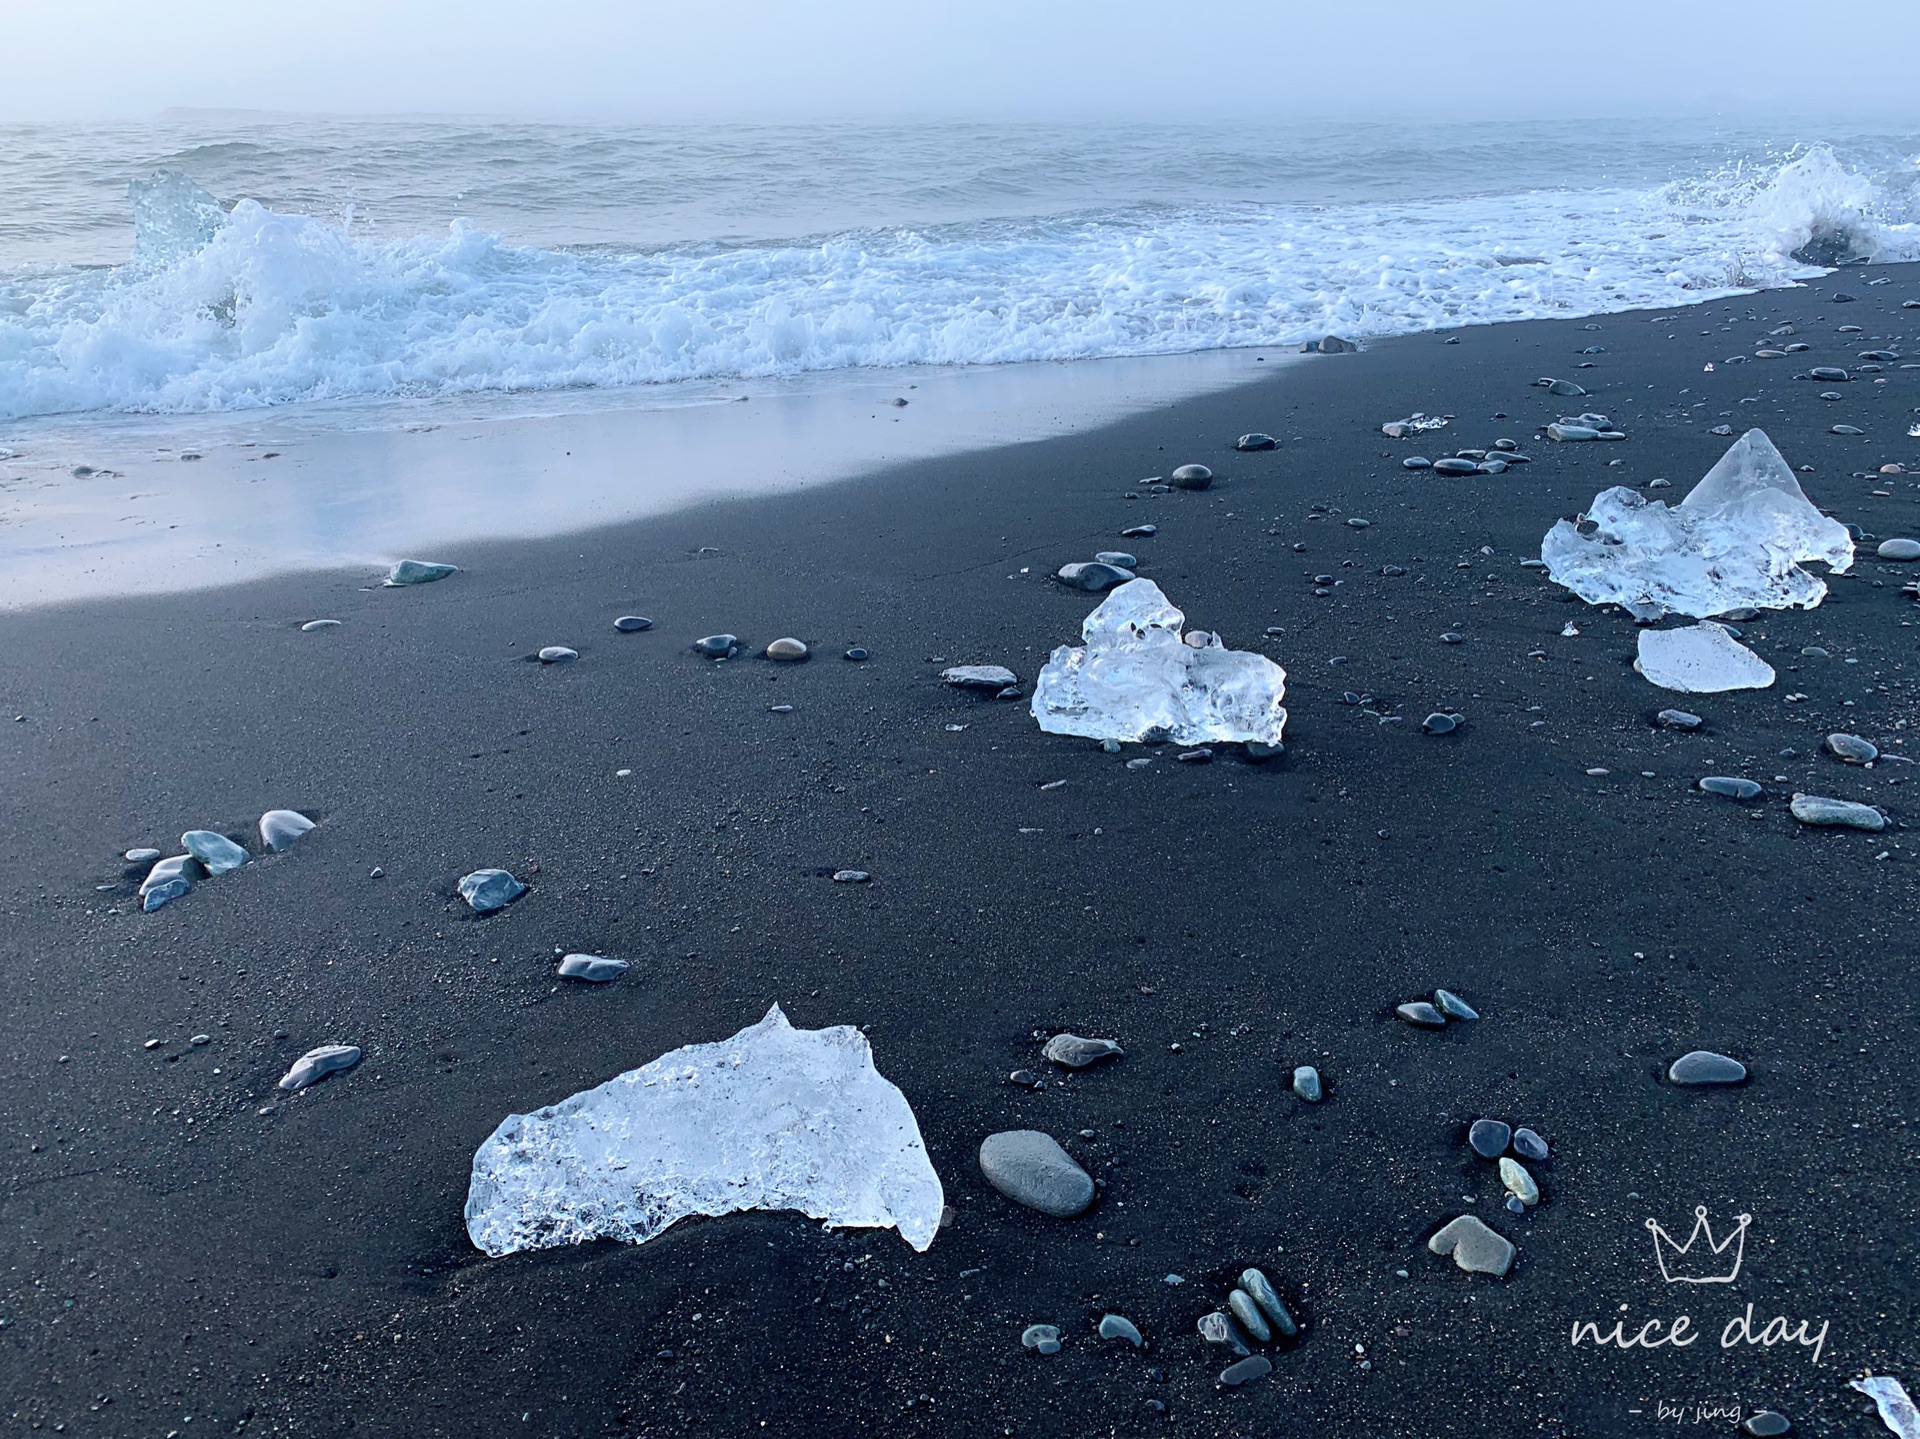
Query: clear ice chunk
point(1701, 659)
point(1136, 678)
point(1890, 1397)
point(172, 217)
point(773, 1118)
point(1737, 539)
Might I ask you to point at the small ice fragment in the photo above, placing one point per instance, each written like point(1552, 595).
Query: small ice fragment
point(1136, 677)
point(1700, 659)
point(279, 828)
point(316, 1064)
point(419, 572)
point(1073, 1052)
point(490, 889)
point(1889, 1395)
point(1737, 539)
point(218, 853)
point(772, 1118)
point(980, 677)
point(593, 968)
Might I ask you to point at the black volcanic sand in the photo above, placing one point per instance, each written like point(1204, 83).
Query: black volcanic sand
point(170, 1250)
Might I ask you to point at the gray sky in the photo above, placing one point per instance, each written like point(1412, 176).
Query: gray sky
point(778, 59)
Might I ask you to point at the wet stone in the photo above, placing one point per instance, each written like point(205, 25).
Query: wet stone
point(1453, 1006)
point(1255, 1366)
point(218, 853)
point(1071, 1051)
point(856, 653)
point(1241, 1305)
point(1730, 787)
point(1118, 1326)
point(1488, 1137)
point(1118, 558)
point(1260, 1289)
point(1451, 466)
point(419, 572)
point(1529, 1145)
point(1421, 1014)
point(1031, 1168)
point(1678, 719)
point(1828, 372)
point(1140, 532)
point(1851, 749)
point(851, 876)
point(1703, 1066)
point(1306, 1083)
point(1519, 1183)
point(1416, 462)
point(1041, 1339)
point(787, 650)
point(717, 647)
point(141, 856)
point(632, 624)
point(1191, 477)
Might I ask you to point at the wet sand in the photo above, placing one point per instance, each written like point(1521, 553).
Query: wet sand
point(171, 1251)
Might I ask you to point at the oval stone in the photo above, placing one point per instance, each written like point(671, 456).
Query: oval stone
point(1248, 1313)
point(1031, 1168)
point(632, 624)
point(787, 649)
point(1899, 549)
point(1256, 441)
point(1453, 1006)
point(717, 647)
point(313, 627)
point(1120, 559)
point(1416, 462)
point(1094, 578)
point(1837, 813)
point(1488, 1137)
point(1191, 477)
point(1529, 1145)
point(558, 655)
point(1306, 1083)
point(1703, 1066)
point(1851, 749)
point(1072, 1052)
point(1730, 786)
point(1421, 1014)
point(1254, 1366)
point(1262, 1292)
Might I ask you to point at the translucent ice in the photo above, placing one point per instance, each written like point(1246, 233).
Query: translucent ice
point(1737, 539)
point(773, 1118)
point(1137, 678)
point(1890, 1397)
point(172, 217)
point(1701, 659)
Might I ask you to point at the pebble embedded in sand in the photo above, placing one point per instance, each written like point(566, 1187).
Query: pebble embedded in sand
point(218, 853)
point(1421, 1014)
point(1256, 441)
point(1416, 462)
point(558, 655)
point(1334, 345)
point(980, 677)
point(1730, 786)
point(1827, 372)
point(856, 653)
point(1306, 1083)
point(787, 650)
point(1474, 1247)
point(316, 1064)
point(419, 572)
point(1437, 723)
point(1846, 430)
point(1488, 1137)
point(1041, 1338)
point(315, 626)
point(1240, 1304)
point(1899, 549)
point(1851, 749)
point(1216, 1328)
point(1837, 813)
point(1260, 1289)
point(1703, 1066)
point(1453, 1006)
point(1453, 465)
point(1031, 1168)
point(1767, 1424)
point(1191, 477)
point(279, 828)
point(1255, 1366)
point(717, 647)
point(1519, 1183)
point(592, 968)
point(632, 624)
point(1071, 1051)
point(489, 889)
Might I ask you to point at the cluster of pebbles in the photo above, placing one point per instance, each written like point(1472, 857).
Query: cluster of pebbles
point(209, 853)
point(1255, 1314)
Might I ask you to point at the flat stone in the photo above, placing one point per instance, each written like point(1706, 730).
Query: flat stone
point(176, 875)
point(632, 624)
point(1851, 749)
point(1845, 430)
point(1072, 1052)
point(218, 853)
point(313, 627)
point(1452, 466)
point(1040, 1338)
point(1678, 719)
point(1837, 813)
point(1828, 372)
point(1260, 1289)
point(1094, 578)
point(1203, 755)
point(1241, 1305)
point(1256, 441)
point(1031, 1168)
point(1564, 387)
point(851, 876)
point(316, 1064)
point(1519, 1183)
point(1416, 462)
point(1453, 1006)
point(856, 653)
point(486, 890)
point(1120, 559)
point(1703, 1066)
point(141, 856)
point(419, 572)
point(1529, 1145)
point(1899, 549)
point(1191, 477)
point(1254, 1366)
point(592, 968)
point(154, 894)
point(1767, 1424)
point(1572, 433)
point(1488, 1137)
point(1474, 1247)
point(1730, 786)
point(1216, 1328)
point(1118, 1326)
point(1140, 532)
point(1421, 1014)
point(717, 647)
point(980, 677)
point(787, 649)
point(558, 655)
point(1306, 1083)
point(279, 828)
point(1438, 723)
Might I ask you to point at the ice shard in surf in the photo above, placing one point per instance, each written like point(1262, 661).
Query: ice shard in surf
point(1738, 538)
point(773, 1118)
point(1137, 678)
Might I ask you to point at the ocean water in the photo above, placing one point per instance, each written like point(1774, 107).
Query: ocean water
point(282, 261)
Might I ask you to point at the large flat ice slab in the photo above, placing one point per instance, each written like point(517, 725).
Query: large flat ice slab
point(1136, 678)
point(1737, 539)
point(1701, 659)
point(773, 1118)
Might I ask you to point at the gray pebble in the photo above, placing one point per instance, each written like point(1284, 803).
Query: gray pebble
point(717, 647)
point(1437, 723)
point(1354, 522)
point(1529, 1145)
point(787, 650)
point(1120, 559)
point(419, 572)
point(1452, 466)
point(1845, 430)
point(1070, 1051)
point(1852, 749)
point(1031, 1168)
point(1248, 1313)
point(1192, 477)
point(1140, 532)
point(312, 627)
point(980, 677)
point(1827, 372)
point(1474, 1247)
point(1899, 549)
point(1488, 1137)
point(142, 856)
point(1094, 578)
point(1678, 719)
point(1519, 1183)
point(1306, 1083)
point(1703, 1066)
point(632, 624)
point(1767, 1424)
point(1118, 1326)
point(1453, 1006)
point(1140, 763)
point(1515, 1204)
point(218, 853)
point(851, 876)
point(856, 654)
point(1844, 814)
point(1730, 787)
point(1255, 1366)
point(1416, 462)
point(1422, 1014)
point(1262, 1292)
point(1256, 441)
point(558, 655)
point(1203, 755)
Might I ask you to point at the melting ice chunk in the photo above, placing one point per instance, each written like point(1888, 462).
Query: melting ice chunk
point(172, 217)
point(1737, 539)
point(1701, 659)
point(773, 1118)
point(1890, 1397)
point(1136, 677)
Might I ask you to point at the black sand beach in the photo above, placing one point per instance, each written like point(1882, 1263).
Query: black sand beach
point(178, 1262)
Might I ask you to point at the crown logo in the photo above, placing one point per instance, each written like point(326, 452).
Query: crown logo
point(1712, 1263)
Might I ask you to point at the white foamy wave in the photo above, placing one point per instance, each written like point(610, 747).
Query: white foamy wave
point(269, 308)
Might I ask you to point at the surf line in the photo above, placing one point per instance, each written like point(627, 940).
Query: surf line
point(1740, 1329)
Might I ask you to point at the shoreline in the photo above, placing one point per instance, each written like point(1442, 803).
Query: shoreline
point(1553, 862)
